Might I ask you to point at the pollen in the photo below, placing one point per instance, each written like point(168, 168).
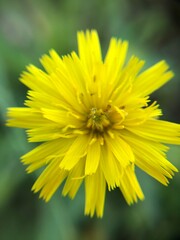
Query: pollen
point(98, 120)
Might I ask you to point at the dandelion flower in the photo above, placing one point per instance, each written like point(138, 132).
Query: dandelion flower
point(95, 122)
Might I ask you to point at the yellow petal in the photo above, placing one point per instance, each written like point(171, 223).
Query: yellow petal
point(47, 151)
point(25, 118)
point(58, 116)
point(115, 59)
point(130, 187)
point(76, 151)
point(38, 80)
point(121, 150)
point(158, 131)
point(95, 189)
point(111, 168)
point(89, 49)
point(93, 157)
point(150, 159)
point(152, 79)
point(52, 62)
point(74, 180)
point(50, 179)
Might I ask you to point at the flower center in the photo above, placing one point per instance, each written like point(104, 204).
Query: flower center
point(98, 120)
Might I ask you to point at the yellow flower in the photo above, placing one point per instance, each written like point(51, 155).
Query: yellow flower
point(96, 122)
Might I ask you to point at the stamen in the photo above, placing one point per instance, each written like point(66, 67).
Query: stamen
point(98, 120)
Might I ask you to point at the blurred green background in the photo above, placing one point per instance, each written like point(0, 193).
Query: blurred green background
point(29, 29)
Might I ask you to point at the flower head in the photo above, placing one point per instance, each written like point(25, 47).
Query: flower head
point(96, 122)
